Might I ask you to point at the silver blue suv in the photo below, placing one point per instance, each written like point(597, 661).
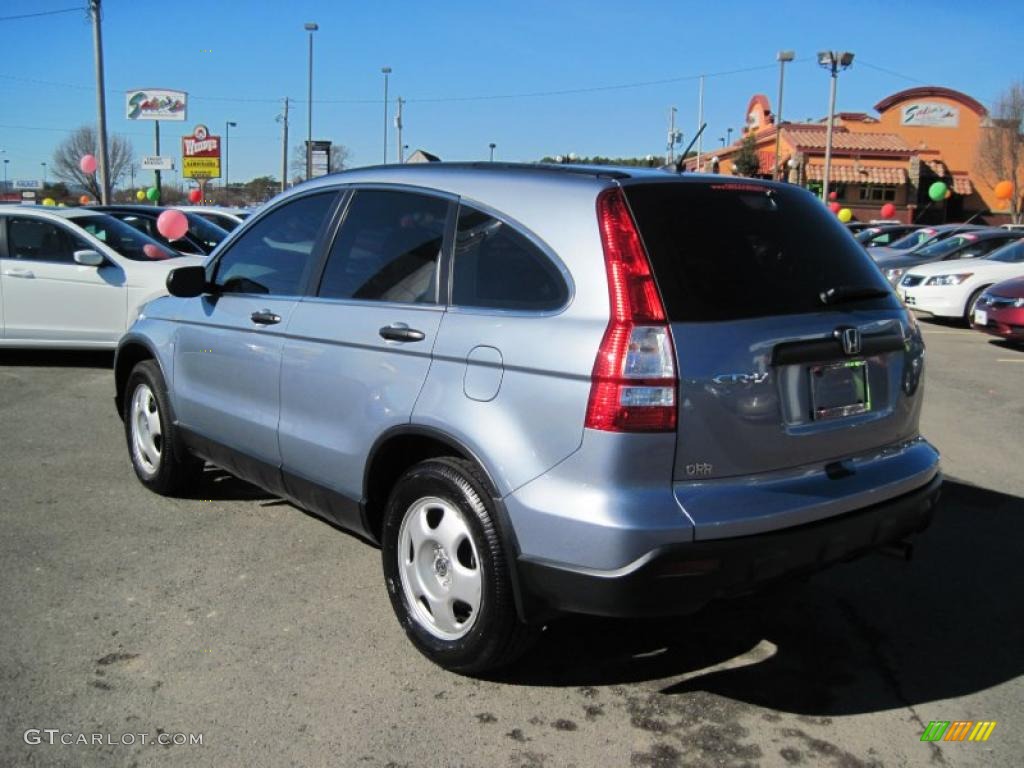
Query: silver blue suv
point(544, 389)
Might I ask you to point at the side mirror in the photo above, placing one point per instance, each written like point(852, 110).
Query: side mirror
point(89, 258)
point(187, 282)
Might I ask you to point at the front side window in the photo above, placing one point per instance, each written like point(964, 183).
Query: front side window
point(128, 241)
point(388, 248)
point(496, 267)
point(275, 254)
point(40, 240)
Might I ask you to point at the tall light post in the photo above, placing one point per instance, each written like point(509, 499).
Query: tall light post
point(833, 61)
point(310, 27)
point(491, 146)
point(227, 154)
point(782, 57)
point(44, 173)
point(385, 71)
point(6, 161)
point(728, 137)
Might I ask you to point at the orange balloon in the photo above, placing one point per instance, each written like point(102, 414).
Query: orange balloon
point(1004, 190)
point(84, 199)
point(949, 194)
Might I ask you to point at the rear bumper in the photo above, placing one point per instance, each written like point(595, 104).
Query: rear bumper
point(680, 578)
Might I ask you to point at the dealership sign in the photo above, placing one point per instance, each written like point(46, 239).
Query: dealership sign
point(155, 104)
point(157, 163)
point(930, 115)
point(200, 155)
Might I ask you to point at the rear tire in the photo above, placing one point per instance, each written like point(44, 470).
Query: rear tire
point(446, 570)
point(161, 463)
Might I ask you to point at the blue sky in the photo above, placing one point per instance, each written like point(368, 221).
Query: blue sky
point(443, 54)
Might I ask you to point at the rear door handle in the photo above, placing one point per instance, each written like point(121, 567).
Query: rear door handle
point(401, 332)
point(265, 317)
point(19, 273)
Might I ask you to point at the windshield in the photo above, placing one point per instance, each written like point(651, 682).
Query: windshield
point(943, 247)
point(866, 234)
point(209, 235)
point(1010, 254)
point(914, 239)
point(126, 240)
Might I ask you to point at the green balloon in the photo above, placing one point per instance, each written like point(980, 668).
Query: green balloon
point(937, 191)
point(153, 194)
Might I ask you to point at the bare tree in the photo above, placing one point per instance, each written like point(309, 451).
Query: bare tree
point(1001, 149)
point(297, 166)
point(69, 153)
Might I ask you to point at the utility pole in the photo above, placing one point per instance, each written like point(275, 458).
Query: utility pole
point(156, 173)
point(700, 122)
point(673, 136)
point(398, 129)
point(101, 102)
point(284, 148)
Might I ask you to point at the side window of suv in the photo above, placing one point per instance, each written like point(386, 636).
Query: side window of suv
point(499, 268)
point(40, 240)
point(274, 256)
point(388, 248)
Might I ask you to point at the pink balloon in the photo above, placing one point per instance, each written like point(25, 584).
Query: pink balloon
point(834, 207)
point(155, 252)
point(87, 164)
point(888, 211)
point(172, 224)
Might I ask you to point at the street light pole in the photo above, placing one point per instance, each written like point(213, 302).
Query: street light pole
point(832, 61)
point(491, 146)
point(44, 173)
point(310, 27)
point(227, 155)
point(783, 57)
point(728, 136)
point(386, 71)
point(398, 131)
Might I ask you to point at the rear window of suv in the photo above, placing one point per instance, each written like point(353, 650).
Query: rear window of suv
point(734, 250)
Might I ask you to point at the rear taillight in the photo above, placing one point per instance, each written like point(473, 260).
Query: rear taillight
point(633, 385)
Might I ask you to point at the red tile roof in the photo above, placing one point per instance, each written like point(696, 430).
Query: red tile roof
point(866, 174)
point(805, 137)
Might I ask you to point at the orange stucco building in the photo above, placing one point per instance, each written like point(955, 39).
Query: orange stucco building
point(921, 135)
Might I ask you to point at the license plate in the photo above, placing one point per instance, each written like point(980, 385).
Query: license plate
point(980, 317)
point(839, 389)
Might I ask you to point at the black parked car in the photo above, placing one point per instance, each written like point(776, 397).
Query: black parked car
point(202, 236)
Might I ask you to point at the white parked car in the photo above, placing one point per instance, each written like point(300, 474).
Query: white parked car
point(75, 278)
point(952, 288)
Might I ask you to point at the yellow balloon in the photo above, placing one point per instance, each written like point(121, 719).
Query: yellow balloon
point(140, 195)
point(845, 214)
point(49, 202)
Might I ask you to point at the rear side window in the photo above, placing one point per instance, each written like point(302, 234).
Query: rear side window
point(496, 267)
point(274, 255)
point(729, 251)
point(388, 248)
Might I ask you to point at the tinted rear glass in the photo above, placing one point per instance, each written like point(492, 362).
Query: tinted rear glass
point(730, 250)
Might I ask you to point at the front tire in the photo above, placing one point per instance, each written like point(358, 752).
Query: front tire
point(161, 463)
point(446, 570)
point(969, 307)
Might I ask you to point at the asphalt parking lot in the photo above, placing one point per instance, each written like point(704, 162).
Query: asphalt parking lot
point(238, 617)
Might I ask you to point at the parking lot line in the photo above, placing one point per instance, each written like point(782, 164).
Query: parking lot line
point(1010, 359)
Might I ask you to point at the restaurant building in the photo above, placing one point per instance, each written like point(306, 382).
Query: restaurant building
point(920, 136)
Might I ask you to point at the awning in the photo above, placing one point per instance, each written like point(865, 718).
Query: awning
point(865, 174)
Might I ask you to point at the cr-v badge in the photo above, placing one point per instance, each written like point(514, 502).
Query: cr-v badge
point(741, 378)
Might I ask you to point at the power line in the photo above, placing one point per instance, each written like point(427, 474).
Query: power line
point(40, 13)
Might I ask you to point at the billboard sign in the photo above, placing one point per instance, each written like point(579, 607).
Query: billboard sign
point(200, 154)
point(930, 115)
point(155, 104)
point(321, 158)
point(27, 184)
point(157, 163)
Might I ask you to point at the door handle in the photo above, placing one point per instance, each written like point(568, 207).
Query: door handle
point(265, 317)
point(19, 273)
point(401, 332)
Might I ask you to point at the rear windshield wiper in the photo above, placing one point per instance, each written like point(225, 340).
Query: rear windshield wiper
point(842, 293)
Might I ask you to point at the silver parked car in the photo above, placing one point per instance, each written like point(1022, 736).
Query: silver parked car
point(545, 389)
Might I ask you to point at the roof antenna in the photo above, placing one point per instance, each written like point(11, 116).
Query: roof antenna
point(682, 156)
